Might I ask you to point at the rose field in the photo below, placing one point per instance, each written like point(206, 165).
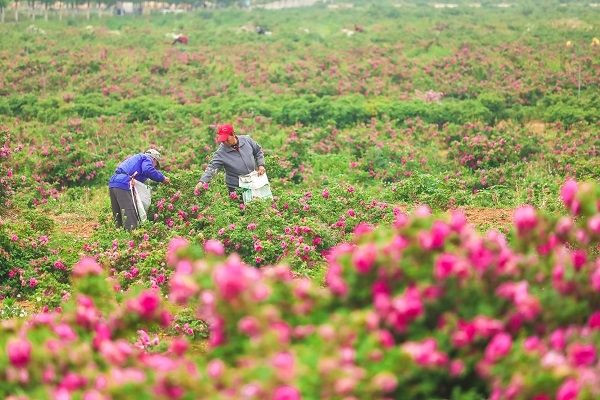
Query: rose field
point(434, 231)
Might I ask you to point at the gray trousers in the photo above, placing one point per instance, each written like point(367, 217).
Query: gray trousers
point(121, 203)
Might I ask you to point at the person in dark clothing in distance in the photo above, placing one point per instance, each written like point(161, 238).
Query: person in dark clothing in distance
point(180, 39)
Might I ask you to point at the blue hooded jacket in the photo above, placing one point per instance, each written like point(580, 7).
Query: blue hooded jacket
point(140, 163)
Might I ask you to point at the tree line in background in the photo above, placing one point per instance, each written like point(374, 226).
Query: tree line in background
point(33, 7)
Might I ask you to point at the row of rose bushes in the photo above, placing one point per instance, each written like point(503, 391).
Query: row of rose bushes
point(424, 308)
point(448, 61)
point(84, 152)
point(462, 61)
point(312, 110)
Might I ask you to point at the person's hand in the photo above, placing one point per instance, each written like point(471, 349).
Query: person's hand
point(167, 180)
point(261, 170)
point(199, 186)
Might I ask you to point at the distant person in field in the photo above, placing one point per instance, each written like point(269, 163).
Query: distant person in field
point(180, 39)
point(144, 166)
point(238, 155)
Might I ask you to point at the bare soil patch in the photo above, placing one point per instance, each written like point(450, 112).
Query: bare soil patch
point(74, 224)
point(499, 218)
point(570, 23)
point(536, 126)
point(486, 218)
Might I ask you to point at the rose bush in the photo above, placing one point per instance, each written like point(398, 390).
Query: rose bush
point(426, 307)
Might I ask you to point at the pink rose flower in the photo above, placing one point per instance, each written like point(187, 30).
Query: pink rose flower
point(182, 288)
point(19, 352)
point(557, 339)
point(146, 304)
point(594, 321)
point(386, 382)
point(531, 343)
point(456, 367)
point(284, 363)
point(364, 258)
point(568, 191)
point(214, 247)
point(362, 229)
point(86, 266)
point(444, 265)
point(230, 278)
point(174, 246)
point(594, 224)
point(498, 347)
point(249, 326)
point(581, 355)
point(286, 393)
point(65, 332)
point(525, 219)
point(568, 391)
point(215, 368)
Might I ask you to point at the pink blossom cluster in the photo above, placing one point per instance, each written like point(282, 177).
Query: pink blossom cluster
point(429, 96)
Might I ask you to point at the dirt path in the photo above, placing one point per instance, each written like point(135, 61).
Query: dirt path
point(482, 218)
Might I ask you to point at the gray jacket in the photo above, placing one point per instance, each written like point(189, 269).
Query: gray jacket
point(236, 162)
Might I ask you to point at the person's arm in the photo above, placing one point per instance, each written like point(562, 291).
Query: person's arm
point(214, 166)
point(151, 172)
point(259, 156)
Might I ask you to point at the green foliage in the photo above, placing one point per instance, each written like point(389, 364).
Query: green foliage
point(5, 170)
point(10, 309)
point(569, 114)
point(495, 104)
point(187, 324)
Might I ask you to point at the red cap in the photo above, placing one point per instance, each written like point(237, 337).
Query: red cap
point(224, 132)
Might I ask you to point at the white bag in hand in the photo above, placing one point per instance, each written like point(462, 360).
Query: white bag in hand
point(143, 198)
point(255, 186)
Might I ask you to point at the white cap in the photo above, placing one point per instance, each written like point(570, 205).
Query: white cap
point(154, 154)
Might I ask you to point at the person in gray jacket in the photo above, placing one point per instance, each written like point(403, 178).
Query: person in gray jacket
point(238, 155)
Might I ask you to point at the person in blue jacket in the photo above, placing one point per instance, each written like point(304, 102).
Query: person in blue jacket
point(144, 166)
point(237, 155)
